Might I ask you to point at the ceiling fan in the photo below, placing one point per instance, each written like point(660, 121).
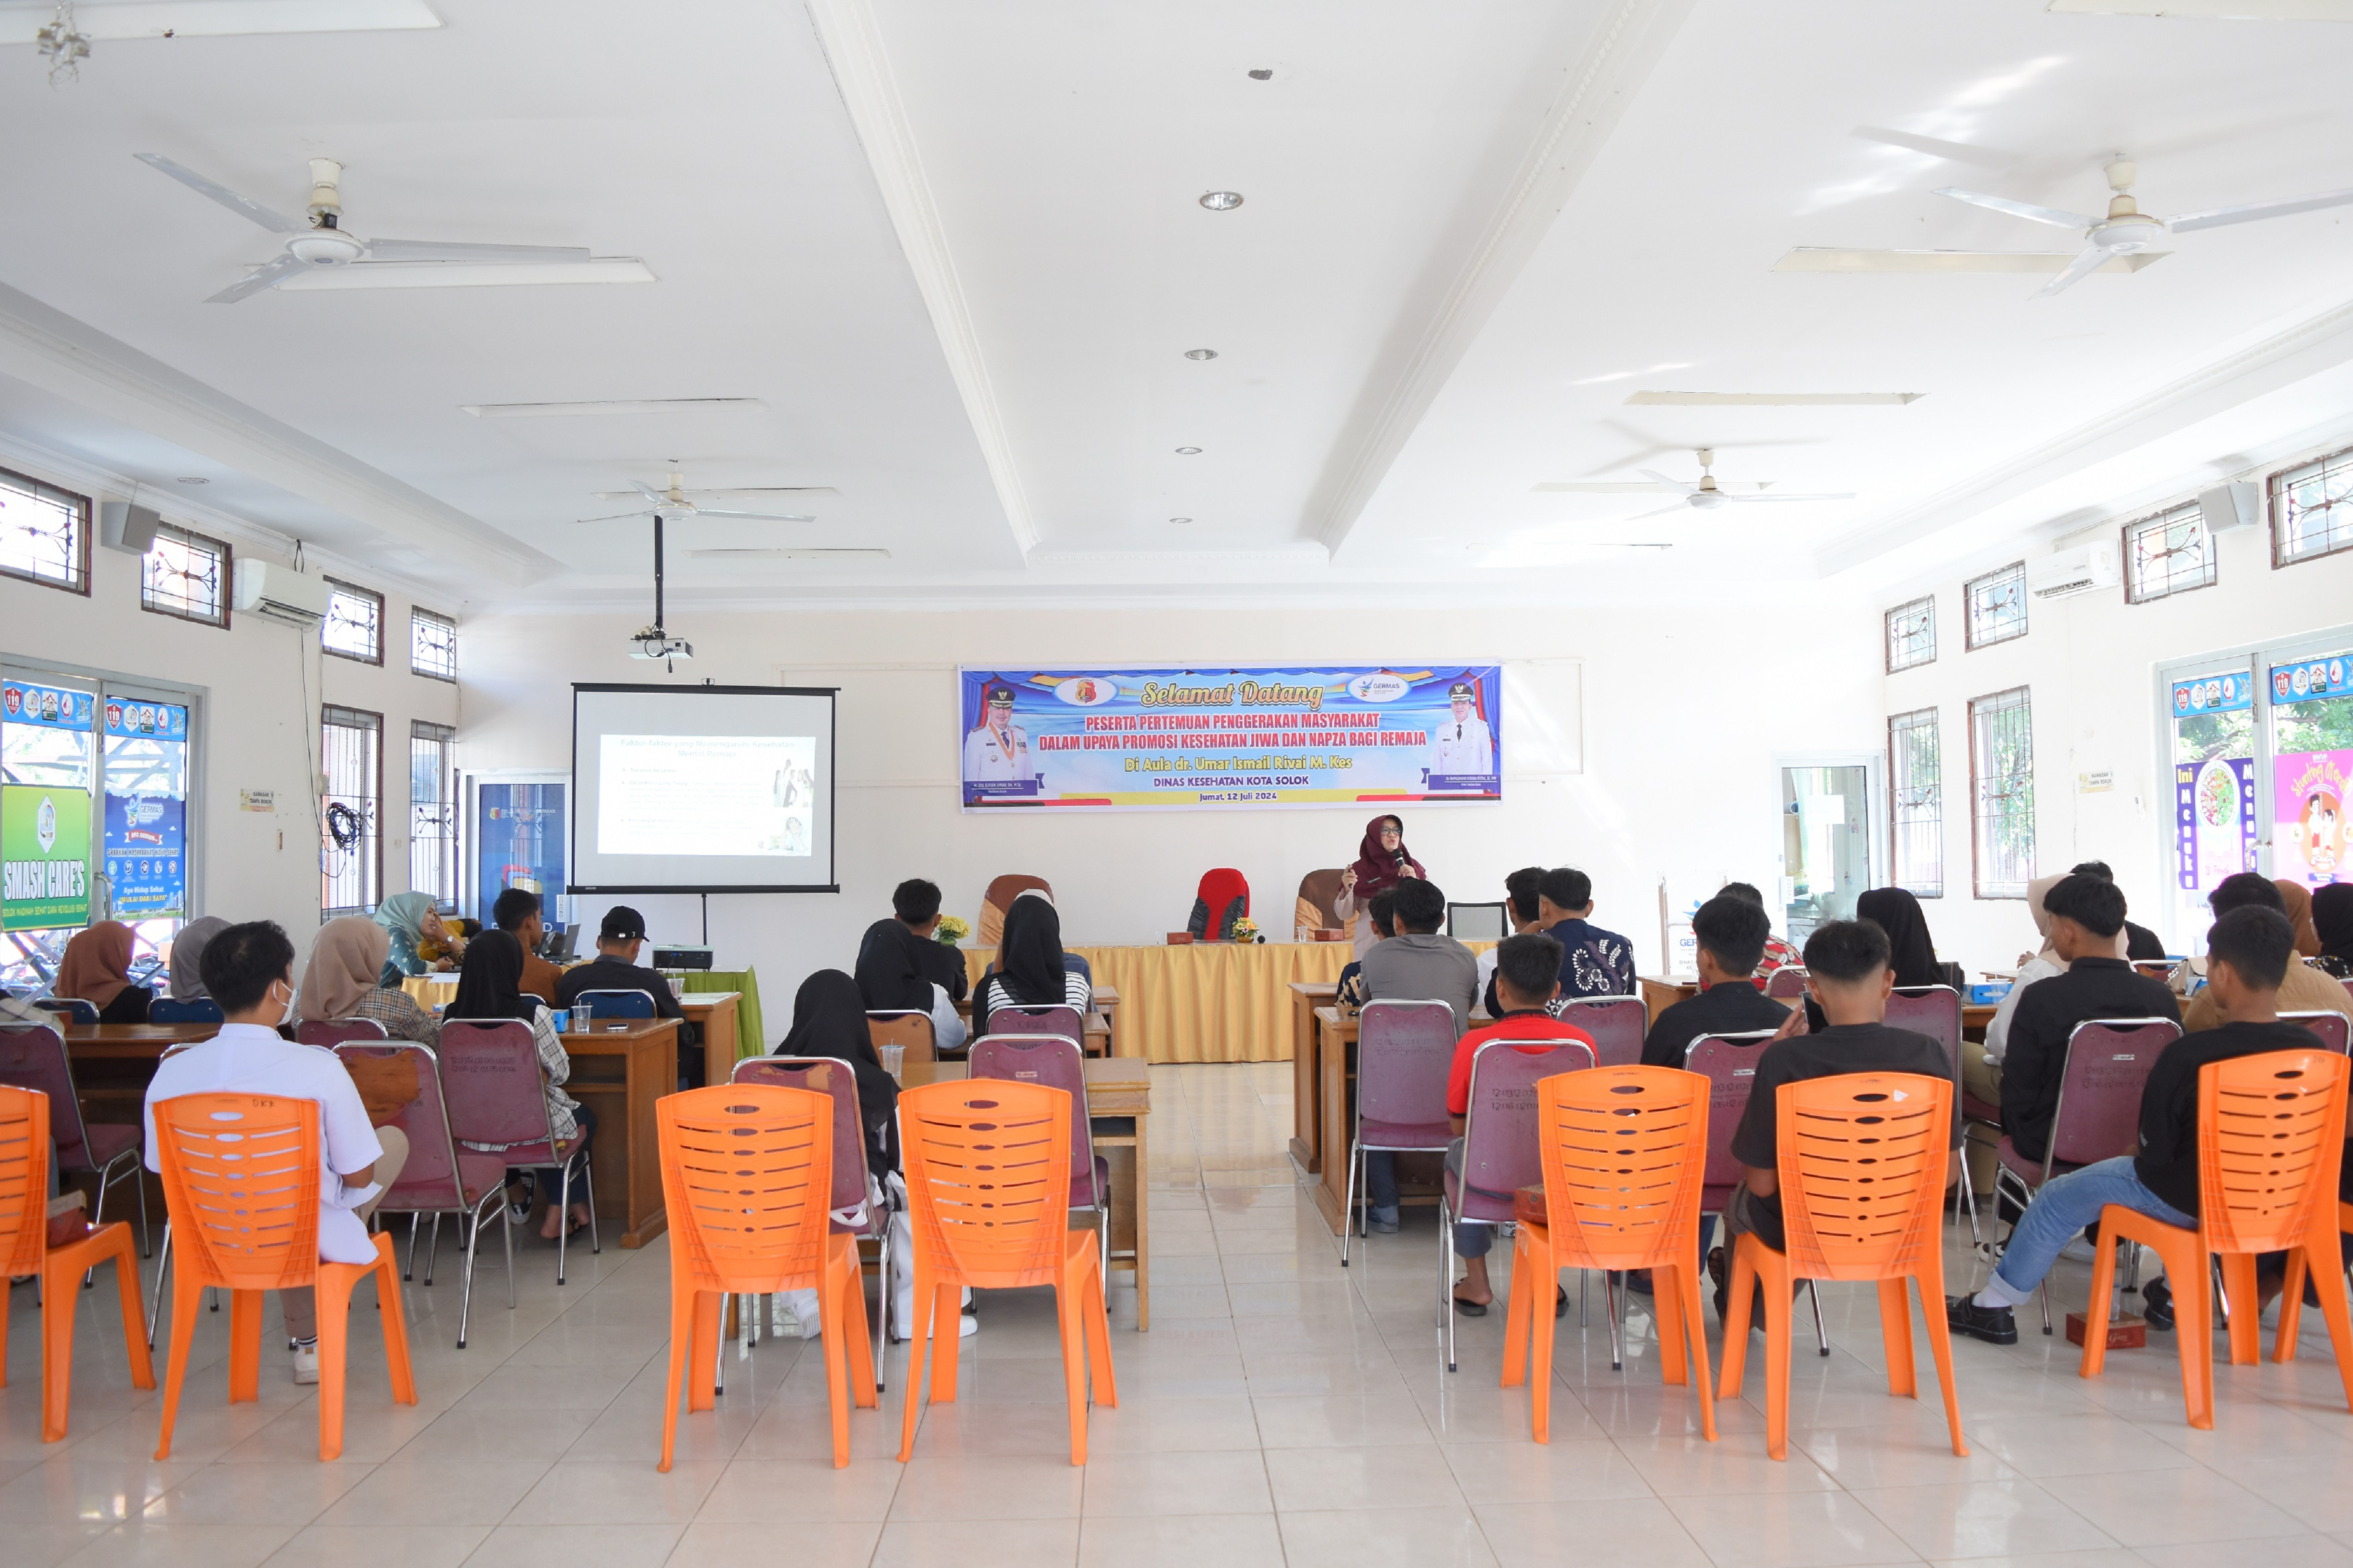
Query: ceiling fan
point(322, 242)
point(1704, 496)
point(2126, 230)
point(672, 503)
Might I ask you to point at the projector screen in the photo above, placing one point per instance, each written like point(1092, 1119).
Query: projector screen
point(702, 789)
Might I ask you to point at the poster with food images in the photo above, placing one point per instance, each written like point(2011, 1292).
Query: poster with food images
point(1238, 738)
point(2214, 820)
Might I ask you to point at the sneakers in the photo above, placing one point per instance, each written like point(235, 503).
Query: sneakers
point(1381, 1222)
point(1995, 1325)
point(306, 1364)
point(519, 1208)
point(2156, 1304)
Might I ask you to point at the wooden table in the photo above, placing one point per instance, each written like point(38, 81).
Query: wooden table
point(1306, 1075)
point(1119, 1102)
point(1661, 993)
point(618, 1072)
point(1335, 1039)
point(715, 1011)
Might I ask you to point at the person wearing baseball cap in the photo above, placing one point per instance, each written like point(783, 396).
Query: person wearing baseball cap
point(1461, 745)
point(614, 968)
point(997, 749)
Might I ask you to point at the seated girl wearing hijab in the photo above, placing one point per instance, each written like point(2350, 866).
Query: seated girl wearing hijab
point(340, 981)
point(420, 943)
point(97, 969)
point(1910, 955)
point(891, 978)
point(489, 989)
point(187, 981)
point(1030, 971)
point(2332, 923)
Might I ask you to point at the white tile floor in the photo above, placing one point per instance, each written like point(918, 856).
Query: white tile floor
point(1280, 1411)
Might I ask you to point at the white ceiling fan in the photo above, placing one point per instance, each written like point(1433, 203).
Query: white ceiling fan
point(673, 502)
point(2126, 230)
point(1704, 496)
point(322, 242)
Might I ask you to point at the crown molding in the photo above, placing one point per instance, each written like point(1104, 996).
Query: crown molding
point(45, 349)
point(1618, 57)
point(854, 52)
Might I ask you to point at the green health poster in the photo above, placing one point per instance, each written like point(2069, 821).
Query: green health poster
point(44, 858)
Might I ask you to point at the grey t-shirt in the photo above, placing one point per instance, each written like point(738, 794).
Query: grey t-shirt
point(1424, 966)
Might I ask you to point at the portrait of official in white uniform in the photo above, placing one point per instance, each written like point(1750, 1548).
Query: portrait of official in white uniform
point(999, 749)
point(1461, 747)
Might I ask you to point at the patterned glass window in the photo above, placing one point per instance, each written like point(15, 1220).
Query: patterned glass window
point(1912, 635)
point(1915, 765)
point(2168, 554)
point(433, 812)
point(355, 624)
point(188, 575)
point(2312, 509)
point(351, 837)
point(44, 533)
point(1997, 605)
point(432, 645)
point(2001, 787)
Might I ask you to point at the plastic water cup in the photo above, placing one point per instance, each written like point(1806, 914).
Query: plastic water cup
point(582, 1010)
point(893, 1056)
point(562, 1017)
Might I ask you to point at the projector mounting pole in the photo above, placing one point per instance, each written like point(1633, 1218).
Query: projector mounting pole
point(660, 630)
point(706, 920)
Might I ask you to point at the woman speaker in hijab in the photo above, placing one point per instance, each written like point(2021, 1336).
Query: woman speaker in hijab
point(1030, 971)
point(1382, 861)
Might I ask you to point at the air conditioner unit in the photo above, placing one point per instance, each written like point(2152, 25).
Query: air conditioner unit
point(265, 588)
point(2082, 570)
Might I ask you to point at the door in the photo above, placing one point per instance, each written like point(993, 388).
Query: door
point(1826, 843)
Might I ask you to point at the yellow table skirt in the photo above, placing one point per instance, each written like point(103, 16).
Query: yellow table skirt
point(1210, 1001)
point(430, 991)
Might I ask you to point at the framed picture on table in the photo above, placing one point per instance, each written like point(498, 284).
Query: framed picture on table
point(518, 824)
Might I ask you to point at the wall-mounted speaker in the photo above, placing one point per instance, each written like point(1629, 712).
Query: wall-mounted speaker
point(2238, 504)
point(128, 528)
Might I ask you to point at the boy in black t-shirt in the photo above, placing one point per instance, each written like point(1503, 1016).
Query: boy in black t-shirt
point(1731, 936)
point(2247, 955)
point(1847, 975)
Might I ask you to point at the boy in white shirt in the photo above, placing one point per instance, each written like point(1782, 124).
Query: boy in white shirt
point(249, 970)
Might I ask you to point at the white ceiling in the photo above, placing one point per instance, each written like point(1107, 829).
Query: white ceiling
point(954, 256)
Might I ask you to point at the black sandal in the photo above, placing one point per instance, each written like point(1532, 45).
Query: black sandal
point(1469, 1308)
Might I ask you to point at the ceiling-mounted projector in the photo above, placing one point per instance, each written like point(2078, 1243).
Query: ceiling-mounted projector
point(654, 642)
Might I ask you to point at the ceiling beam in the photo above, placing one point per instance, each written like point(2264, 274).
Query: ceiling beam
point(1625, 46)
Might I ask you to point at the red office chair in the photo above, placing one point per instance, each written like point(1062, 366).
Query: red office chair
point(1222, 898)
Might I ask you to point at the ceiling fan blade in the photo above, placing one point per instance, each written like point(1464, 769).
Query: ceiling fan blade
point(2083, 266)
point(2056, 217)
point(755, 516)
point(657, 497)
point(262, 278)
point(1663, 483)
point(2255, 211)
point(1645, 516)
point(1810, 495)
point(1936, 147)
point(439, 251)
point(617, 516)
point(244, 208)
point(1608, 487)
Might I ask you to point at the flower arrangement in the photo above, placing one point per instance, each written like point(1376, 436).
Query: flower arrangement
point(1245, 930)
point(951, 930)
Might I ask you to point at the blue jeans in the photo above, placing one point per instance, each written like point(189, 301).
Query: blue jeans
point(2066, 1204)
point(1380, 1182)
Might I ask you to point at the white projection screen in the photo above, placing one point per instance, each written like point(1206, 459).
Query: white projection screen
point(702, 789)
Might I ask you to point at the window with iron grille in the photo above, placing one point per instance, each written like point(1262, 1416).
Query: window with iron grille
point(2312, 509)
point(433, 813)
point(186, 574)
point(1916, 799)
point(1997, 605)
point(354, 623)
point(351, 838)
point(1912, 635)
point(2168, 554)
point(432, 645)
point(2001, 790)
point(44, 533)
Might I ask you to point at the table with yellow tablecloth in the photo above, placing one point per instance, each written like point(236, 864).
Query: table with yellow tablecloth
point(1203, 1002)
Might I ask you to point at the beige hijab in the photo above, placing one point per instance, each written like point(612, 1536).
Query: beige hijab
point(345, 963)
point(2035, 892)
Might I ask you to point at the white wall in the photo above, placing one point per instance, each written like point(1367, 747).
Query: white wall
point(1682, 714)
point(2091, 663)
point(259, 719)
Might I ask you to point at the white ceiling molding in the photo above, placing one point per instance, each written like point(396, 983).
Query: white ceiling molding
point(853, 49)
point(110, 21)
point(69, 360)
point(1622, 51)
point(2227, 10)
point(2304, 349)
point(1774, 400)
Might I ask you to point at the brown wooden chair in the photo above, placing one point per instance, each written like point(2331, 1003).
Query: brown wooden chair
point(999, 899)
point(913, 1030)
point(1316, 892)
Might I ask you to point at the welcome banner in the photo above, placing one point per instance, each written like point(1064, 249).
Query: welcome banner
point(1141, 739)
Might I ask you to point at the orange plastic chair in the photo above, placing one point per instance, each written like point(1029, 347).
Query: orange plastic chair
point(241, 1185)
point(24, 1242)
point(1862, 1160)
point(1625, 1153)
point(2271, 1129)
point(989, 1191)
point(747, 1175)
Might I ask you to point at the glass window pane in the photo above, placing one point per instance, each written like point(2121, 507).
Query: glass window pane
point(2168, 554)
point(1917, 798)
point(354, 623)
point(44, 533)
point(1997, 605)
point(2312, 509)
point(1911, 634)
point(2312, 766)
point(146, 834)
point(350, 842)
point(2002, 783)
point(186, 574)
point(2214, 723)
point(433, 813)
point(432, 645)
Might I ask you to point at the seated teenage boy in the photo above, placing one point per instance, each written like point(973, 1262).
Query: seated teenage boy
point(614, 968)
point(1527, 976)
point(1848, 977)
point(1731, 934)
point(1523, 907)
point(518, 911)
point(2247, 954)
point(249, 970)
point(1417, 965)
point(1381, 910)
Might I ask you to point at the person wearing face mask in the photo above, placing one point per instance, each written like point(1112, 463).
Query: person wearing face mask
point(249, 970)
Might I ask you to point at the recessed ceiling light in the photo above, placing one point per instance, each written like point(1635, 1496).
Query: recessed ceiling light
point(1187, 451)
point(1221, 201)
point(1180, 520)
point(1264, 73)
point(1200, 354)
point(195, 479)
